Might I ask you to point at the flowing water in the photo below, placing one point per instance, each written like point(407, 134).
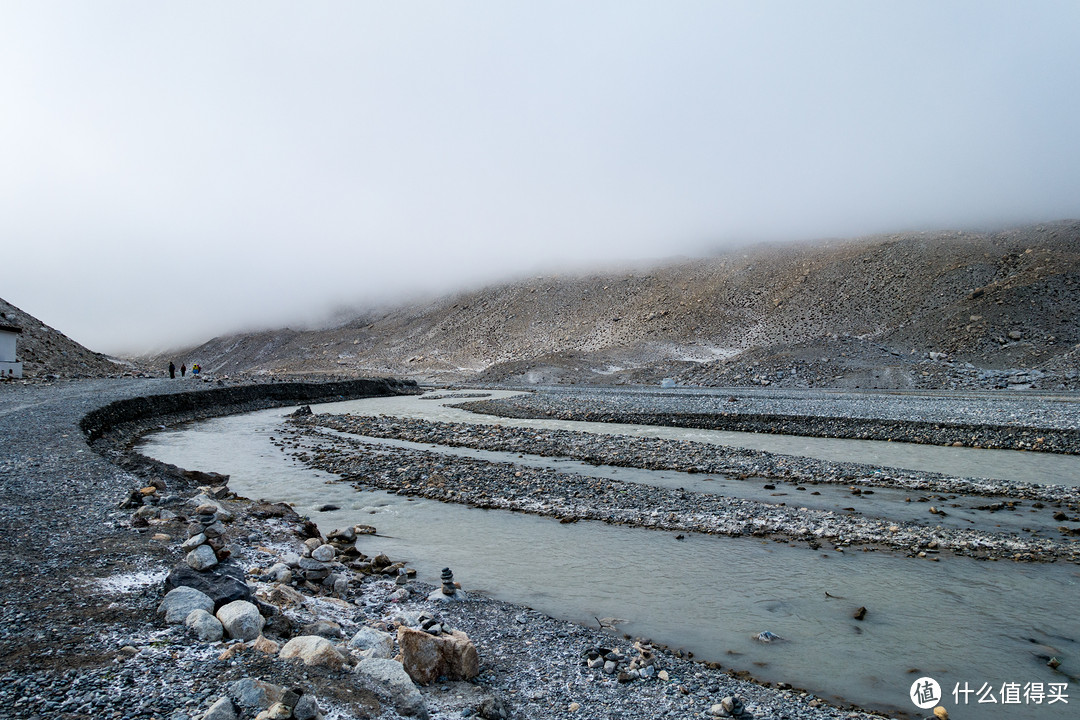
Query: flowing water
point(958, 621)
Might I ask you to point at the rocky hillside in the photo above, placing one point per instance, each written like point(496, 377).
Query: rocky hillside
point(906, 310)
point(46, 352)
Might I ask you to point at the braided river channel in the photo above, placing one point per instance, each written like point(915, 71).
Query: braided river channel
point(965, 622)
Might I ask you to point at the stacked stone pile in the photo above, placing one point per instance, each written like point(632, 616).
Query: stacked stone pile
point(449, 591)
point(261, 700)
point(611, 662)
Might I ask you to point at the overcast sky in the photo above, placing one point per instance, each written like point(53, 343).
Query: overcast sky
point(174, 171)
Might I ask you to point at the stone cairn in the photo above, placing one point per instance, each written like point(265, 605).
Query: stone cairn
point(205, 545)
point(449, 591)
point(731, 707)
point(320, 569)
point(448, 586)
point(612, 662)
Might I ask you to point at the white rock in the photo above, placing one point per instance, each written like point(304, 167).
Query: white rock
point(371, 643)
point(204, 626)
point(391, 676)
point(179, 603)
point(201, 558)
point(241, 620)
point(324, 553)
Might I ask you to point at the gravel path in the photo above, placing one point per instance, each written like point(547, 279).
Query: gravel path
point(81, 580)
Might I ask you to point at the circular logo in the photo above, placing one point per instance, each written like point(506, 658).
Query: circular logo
point(925, 692)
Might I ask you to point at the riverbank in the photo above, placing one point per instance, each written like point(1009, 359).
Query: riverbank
point(80, 634)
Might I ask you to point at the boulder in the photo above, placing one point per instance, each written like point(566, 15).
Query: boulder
point(324, 553)
point(253, 694)
point(204, 626)
point(179, 602)
point(221, 710)
point(427, 657)
point(371, 643)
point(390, 676)
point(224, 583)
point(241, 620)
point(312, 650)
point(323, 628)
point(306, 708)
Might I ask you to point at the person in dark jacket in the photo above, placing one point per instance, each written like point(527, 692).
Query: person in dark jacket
point(172, 370)
point(183, 369)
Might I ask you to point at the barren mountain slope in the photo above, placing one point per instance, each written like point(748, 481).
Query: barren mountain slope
point(46, 351)
point(897, 310)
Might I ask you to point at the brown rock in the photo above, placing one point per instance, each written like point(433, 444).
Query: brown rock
point(427, 657)
point(265, 646)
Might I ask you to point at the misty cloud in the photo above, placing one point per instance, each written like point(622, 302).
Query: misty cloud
point(172, 172)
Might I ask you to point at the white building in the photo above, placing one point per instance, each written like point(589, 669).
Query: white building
point(9, 366)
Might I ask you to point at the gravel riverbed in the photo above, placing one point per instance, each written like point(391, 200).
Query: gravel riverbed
point(82, 578)
point(572, 497)
point(1033, 421)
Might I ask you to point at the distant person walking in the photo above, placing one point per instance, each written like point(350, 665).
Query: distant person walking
point(195, 369)
point(172, 371)
point(183, 369)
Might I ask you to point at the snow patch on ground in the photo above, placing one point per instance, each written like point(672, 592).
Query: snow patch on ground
point(132, 582)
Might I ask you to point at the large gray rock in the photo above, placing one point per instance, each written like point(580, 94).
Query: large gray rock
point(312, 650)
point(241, 620)
point(204, 626)
point(221, 710)
point(253, 694)
point(201, 558)
point(323, 628)
point(179, 602)
point(306, 708)
point(371, 643)
point(224, 583)
point(390, 676)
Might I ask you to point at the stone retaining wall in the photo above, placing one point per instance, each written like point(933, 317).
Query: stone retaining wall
point(198, 404)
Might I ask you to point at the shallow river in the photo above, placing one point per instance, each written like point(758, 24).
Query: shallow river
point(958, 620)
